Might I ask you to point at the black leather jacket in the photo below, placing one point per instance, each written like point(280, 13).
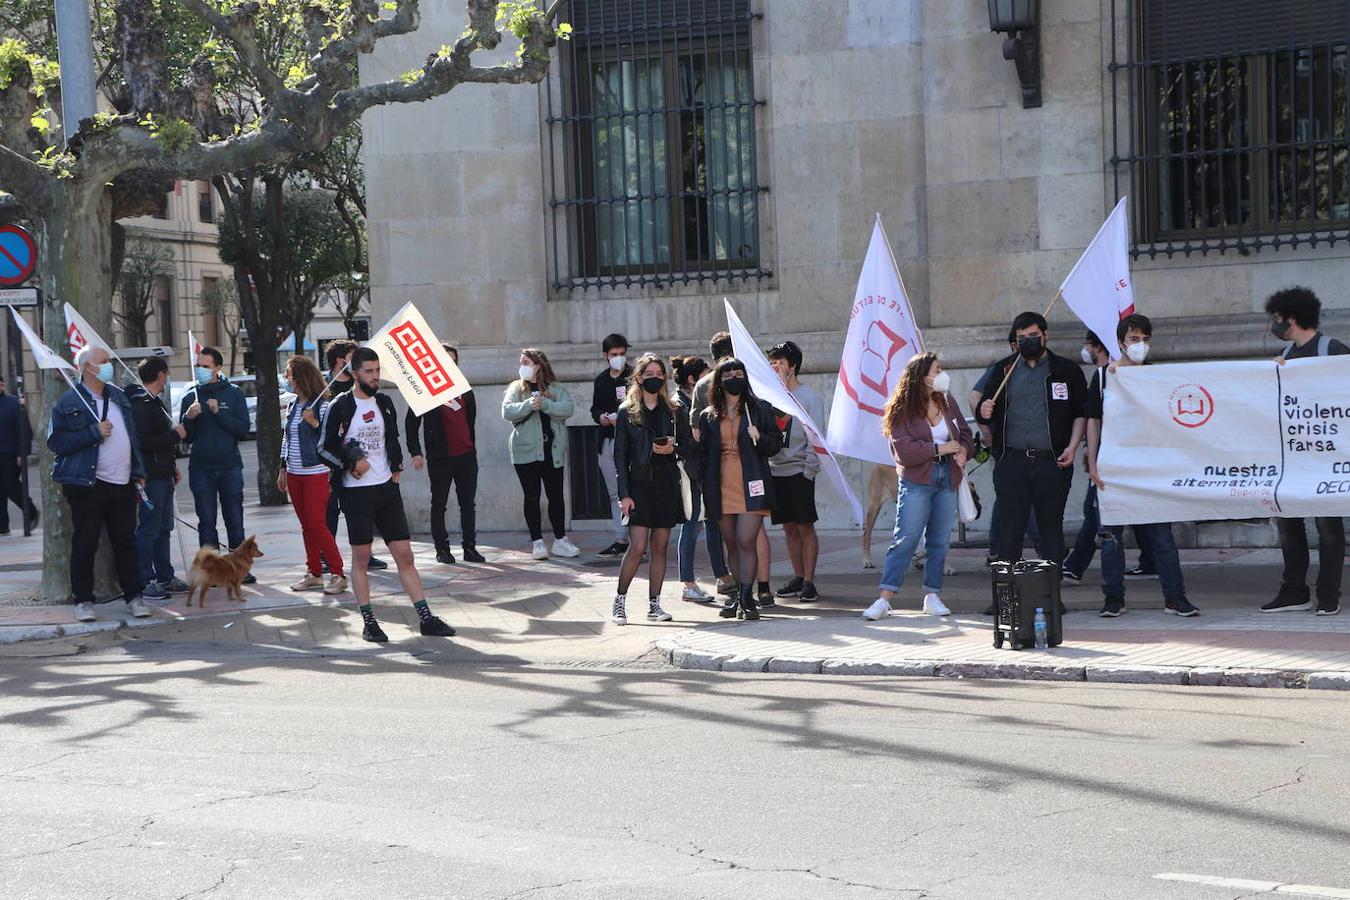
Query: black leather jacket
point(633, 448)
point(754, 457)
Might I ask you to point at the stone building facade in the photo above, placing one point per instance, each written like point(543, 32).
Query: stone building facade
point(519, 216)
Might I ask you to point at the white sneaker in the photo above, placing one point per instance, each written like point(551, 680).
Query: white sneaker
point(538, 550)
point(138, 608)
point(655, 613)
point(696, 594)
point(84, 612)
point(618, 616)
point(565, 548)
point(336, 584)
point(879, 609)
point(308, 583)
point(933, 605)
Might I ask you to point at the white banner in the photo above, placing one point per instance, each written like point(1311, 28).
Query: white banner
point(1098, 288)
point(1226, 440)
point(79, 333)
point(882, 337)
point(413, 359)
point(770, 388)
point(44, 357)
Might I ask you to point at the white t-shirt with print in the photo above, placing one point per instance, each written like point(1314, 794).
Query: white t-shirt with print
point(367, 429)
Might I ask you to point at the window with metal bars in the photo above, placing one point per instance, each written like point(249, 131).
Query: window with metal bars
point(652, 145)
point(1237, 131)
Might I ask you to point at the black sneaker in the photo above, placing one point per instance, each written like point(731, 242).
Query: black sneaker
point(1139, 573)
point(153, 590)
point(791, 589)
point(1071, 576)
point(377, 563)
point(764, 599)
point(1328, 607)
point(727, 588)
point(445, 556)
point(471, 555)
point(1181, 607)
point(437, 627)
point(250, 578)
point(618, 548)
point(374, 633)
point(808, 594)
point(1286, 603)
point(1112, 608)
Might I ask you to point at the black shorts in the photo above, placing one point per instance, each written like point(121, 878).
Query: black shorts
point(794, 500)
point(371, 509)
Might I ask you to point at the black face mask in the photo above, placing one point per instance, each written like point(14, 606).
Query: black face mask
point(652, 385)
point(1280, 329)
point(734, 386)
point(1029, 346)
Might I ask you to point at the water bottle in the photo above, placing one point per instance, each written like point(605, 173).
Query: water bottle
point(1042, 641)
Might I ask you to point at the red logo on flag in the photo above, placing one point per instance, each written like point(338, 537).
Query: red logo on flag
point(1191, 405)
point(874, 367)
point(421, 358)
point(76, 338)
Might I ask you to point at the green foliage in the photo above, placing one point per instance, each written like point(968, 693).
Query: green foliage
point(318, 245)
point(174, 135)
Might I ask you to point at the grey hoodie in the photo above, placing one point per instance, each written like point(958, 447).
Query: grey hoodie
point(797, 457)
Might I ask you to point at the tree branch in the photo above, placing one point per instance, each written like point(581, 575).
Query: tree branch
point(240, 28)
point(24, 179)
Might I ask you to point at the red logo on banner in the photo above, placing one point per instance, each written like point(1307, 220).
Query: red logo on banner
point(1191, 405)
point(76, 339)
point(880, 347)
point(421, 358)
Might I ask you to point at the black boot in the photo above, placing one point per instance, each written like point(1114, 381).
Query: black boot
point(748, 609)
point(731, 605)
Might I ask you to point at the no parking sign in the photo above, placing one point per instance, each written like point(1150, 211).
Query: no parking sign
point(18, 255)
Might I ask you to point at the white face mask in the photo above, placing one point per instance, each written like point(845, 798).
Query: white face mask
point(1137, 352)
point(618, 362)
point(1088, 359)
point(527, 373)
point(941, 381)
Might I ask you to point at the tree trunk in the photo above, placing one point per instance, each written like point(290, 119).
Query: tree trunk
point(75, 246)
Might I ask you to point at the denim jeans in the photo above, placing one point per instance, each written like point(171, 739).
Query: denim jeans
point(153, 530)
point(688, 545)
point(921, 508)
point(1085, 546)
point(1165, 557)
point(207, 486)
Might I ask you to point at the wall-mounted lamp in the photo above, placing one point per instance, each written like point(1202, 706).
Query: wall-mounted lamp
point(1021, 21)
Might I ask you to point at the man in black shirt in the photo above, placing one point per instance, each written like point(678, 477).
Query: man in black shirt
point(1294, 316)
point(611, 386)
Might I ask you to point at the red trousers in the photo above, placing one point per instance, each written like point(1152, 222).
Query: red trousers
point(309, 496)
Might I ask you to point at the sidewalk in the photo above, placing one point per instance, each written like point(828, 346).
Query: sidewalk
point(517, 610)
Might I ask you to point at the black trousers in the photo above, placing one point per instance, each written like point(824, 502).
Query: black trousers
point(92, 510)
point(1330, 556)
point(1024, 483)
point(532, 477)
point(334, 510)
point(462, 471)
point(11, 491)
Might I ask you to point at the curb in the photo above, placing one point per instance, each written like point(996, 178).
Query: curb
point(1196, 676)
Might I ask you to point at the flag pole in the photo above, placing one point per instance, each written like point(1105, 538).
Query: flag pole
point(1007, 377)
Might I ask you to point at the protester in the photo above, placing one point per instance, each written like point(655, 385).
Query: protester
point(1133, 333)
point(648, 479)
point(719, 348)
point(1295, 314)
point(930, 443)
point(1094, 354)
point(304, 476)
point(611, 387)
point(158, 437)
point(16, 442)
point(216, 416)
point(537, 408)
point(340, 381)
point(794, 469)
point(737, 435)
point(360, 444)
point(99, 467)
point(451, 457)
point(688, 370)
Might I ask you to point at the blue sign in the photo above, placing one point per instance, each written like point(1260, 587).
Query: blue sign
point(18, 255)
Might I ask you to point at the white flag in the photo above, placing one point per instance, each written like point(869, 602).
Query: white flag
point(195, 346)
point(882, 337)
point(414, 360)
point(770, 388)
point(43, 356)
point(1099, 289)
point(79, 333)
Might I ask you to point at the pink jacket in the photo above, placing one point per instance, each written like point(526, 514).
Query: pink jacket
point(912, 445)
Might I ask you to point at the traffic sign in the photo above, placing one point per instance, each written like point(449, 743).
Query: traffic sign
point(18, 297)
point(18, 255)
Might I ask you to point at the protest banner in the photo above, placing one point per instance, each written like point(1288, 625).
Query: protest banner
point(413, 359)
point(766, 384)
point(1226, 440)
point(1098, 289)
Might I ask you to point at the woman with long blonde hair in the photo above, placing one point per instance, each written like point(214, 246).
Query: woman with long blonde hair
point(648, 481)
point(930, 443)
point(537, 408)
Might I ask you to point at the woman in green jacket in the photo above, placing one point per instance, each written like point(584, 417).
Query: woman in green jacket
point(538, 410)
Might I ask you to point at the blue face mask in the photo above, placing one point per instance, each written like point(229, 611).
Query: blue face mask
point(105, 372)
point(202, 374)
point(288, 385)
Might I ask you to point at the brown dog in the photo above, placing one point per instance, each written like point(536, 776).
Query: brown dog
point(211, 569)
point(882, 485)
